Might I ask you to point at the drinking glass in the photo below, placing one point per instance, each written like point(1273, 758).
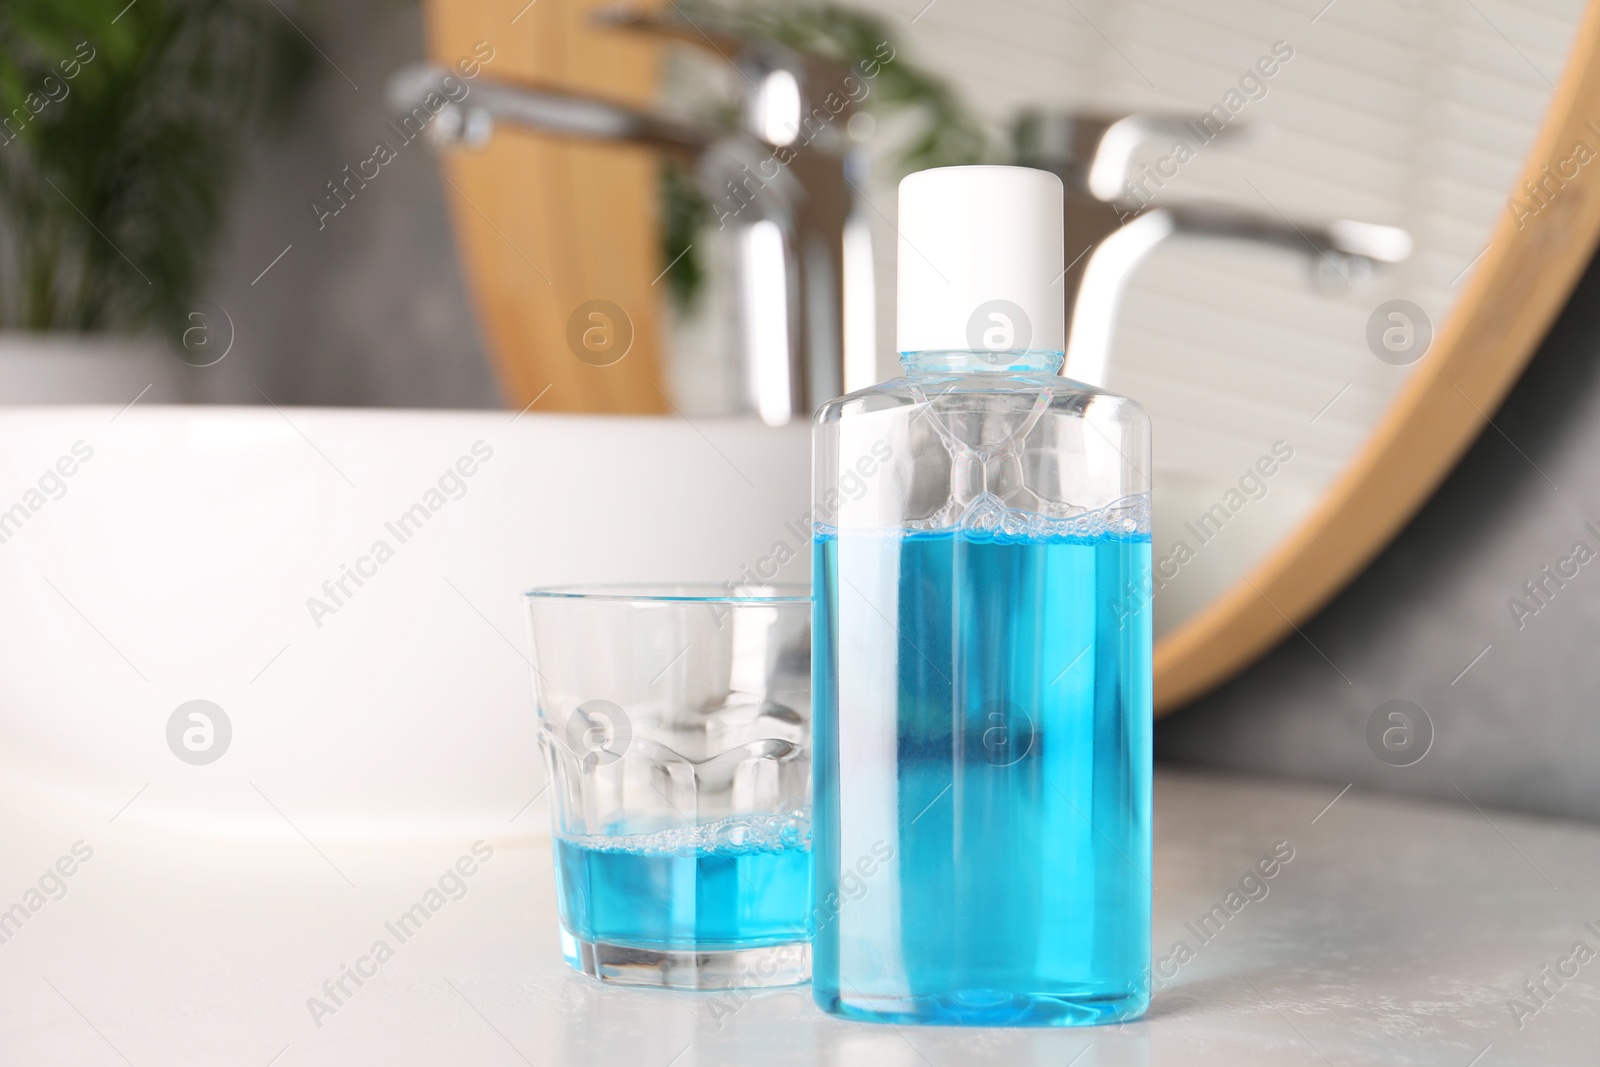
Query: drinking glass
point(675, 723)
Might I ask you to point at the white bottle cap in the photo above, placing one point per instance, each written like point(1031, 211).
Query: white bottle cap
point(980, 261)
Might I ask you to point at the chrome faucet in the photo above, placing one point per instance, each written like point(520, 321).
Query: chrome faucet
point(782, 183)
point(785, 183)
point(1112, 226)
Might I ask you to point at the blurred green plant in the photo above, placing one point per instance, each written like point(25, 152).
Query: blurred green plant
point(114, 180)
point(943, 132)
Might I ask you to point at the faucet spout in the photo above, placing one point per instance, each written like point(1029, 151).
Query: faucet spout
point(1337, 251)
point(471, 120)
point(1342, 239)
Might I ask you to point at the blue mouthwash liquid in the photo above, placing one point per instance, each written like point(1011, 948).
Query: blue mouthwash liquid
point(743, 882)
point(982, 776)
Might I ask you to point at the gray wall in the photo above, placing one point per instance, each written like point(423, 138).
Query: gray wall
point(1521, 728)
point(370, 310)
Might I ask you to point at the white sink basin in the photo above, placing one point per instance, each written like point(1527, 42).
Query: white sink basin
point(198, 553)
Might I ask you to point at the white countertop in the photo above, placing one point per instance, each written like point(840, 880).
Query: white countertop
point(1397, 934)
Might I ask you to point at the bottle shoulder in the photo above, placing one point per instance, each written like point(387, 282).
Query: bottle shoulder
point(1064, 396)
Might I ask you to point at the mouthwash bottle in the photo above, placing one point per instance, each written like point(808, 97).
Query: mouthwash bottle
point(982, 683)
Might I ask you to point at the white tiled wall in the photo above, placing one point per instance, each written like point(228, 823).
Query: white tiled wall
point(1414, 113)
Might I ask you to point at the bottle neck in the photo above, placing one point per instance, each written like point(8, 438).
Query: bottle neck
point(947, 361)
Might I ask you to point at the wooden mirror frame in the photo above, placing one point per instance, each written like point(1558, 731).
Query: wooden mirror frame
point(605, 235)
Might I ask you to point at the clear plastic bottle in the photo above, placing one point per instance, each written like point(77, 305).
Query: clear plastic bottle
point(982, 678)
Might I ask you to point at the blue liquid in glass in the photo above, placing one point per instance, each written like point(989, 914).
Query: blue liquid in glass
point(982, 718)
point(641, 892)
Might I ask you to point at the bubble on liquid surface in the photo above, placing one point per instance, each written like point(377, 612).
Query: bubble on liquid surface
point(731, 836)
point(986, 518)
point(987, 515)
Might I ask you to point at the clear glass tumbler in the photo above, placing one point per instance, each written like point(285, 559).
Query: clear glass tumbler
point(675, 723)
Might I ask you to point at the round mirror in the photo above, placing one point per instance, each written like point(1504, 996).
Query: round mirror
point(1316, 241)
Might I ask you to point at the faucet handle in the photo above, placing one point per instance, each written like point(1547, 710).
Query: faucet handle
point(749, 49)
point(469, 120)
point(786, 84)
point(674, 27)
point(1092, 151)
